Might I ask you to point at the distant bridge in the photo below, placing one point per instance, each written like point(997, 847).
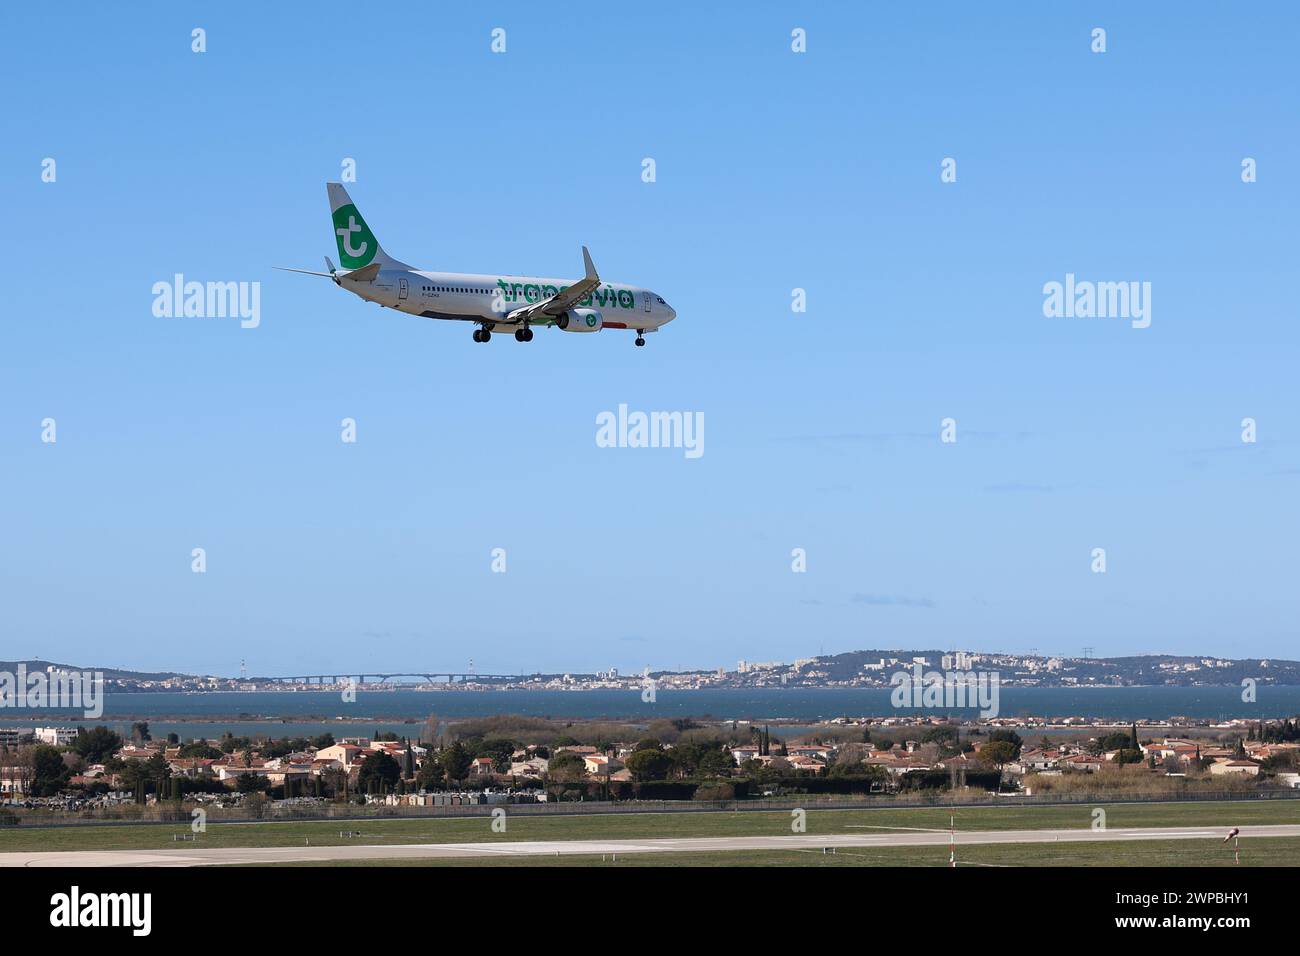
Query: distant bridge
point(369, 677)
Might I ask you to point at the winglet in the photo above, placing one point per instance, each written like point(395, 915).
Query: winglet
point(589, 265)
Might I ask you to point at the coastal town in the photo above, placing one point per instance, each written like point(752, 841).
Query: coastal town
point(493, 761)
point(855, 669)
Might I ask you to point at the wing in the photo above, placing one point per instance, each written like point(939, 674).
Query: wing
point(562, 301)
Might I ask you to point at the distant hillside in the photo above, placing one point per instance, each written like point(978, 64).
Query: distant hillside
point(849, 664)
point(1184, 669)
point(110, 673)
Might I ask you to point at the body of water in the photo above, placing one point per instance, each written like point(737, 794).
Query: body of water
point(404, 712)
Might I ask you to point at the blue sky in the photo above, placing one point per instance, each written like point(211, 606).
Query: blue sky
point(775, 170)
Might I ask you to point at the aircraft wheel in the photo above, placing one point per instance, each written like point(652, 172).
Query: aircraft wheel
point(485, 336)
point(478, 335)
point(640, 341)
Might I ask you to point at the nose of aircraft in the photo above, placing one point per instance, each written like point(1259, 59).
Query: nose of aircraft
point(672, 313)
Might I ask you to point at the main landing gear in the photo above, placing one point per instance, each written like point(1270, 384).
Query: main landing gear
point(524, 335)
point(483, 335)
point(640, 340)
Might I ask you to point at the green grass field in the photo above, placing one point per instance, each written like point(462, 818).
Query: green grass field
point(1277, 851)
point(643, 826)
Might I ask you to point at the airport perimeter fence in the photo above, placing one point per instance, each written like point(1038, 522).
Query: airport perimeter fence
point(163, 815)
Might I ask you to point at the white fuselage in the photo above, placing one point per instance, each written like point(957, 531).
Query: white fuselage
point(490, 299)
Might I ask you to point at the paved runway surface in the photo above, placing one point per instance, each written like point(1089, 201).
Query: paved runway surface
point(869, 838)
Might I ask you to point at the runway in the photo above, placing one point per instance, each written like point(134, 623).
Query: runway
point(877, 839)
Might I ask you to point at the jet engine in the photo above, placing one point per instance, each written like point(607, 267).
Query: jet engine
point(580, 320)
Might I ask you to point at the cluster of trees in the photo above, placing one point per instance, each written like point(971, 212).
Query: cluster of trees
point(551, 734)
point(1118, 740)
point(49, 774)
point(1281, 732)
point(382, 773)
point(97, 744)
point(650, 761)
point(1003, 747)
point(947, 737)
point(271, 749)
point(856, 770)
point(201, 751)
point(50, 770)
point(450, 766)
point(1288, 760)
point(764, 739)
point(566, 767)
point(143, 776)
point(379, 773)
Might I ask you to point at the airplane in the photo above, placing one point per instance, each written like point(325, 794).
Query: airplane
point(491, 302)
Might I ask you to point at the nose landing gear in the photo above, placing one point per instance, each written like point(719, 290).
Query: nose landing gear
point(640, 337)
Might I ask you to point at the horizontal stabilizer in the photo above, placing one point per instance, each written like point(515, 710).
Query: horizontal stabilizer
point(306, 272)
point(364, 274)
